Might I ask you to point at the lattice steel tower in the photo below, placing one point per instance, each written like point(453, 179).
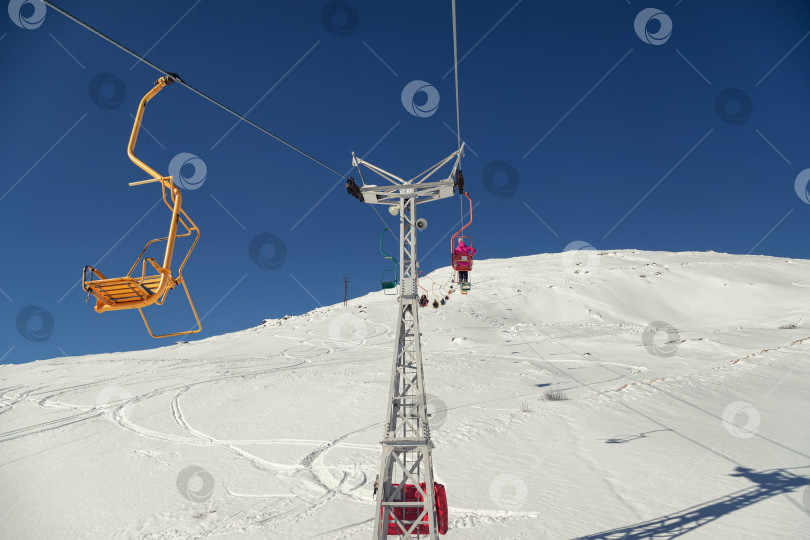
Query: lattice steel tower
point(405, 508)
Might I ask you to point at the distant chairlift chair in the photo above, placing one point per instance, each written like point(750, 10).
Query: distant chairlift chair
point(139, 291)
point(386, 282)
point(423, 300)
point(462, 261)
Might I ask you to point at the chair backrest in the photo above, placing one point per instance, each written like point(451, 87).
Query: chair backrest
point(167, 182)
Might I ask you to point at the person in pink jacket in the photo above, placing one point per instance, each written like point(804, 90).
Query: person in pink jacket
point(463, 266)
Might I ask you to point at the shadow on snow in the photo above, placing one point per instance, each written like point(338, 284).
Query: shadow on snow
point(767, 484)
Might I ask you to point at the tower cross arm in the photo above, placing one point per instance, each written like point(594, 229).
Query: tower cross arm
point(417, 188)
point(391, 195)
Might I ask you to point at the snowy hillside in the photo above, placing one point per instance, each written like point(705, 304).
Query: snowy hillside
point(687, 412)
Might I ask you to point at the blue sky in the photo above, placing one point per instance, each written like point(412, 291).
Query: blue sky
point(583, 124)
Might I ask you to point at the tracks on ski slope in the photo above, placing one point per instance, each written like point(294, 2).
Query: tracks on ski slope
point(44, 397)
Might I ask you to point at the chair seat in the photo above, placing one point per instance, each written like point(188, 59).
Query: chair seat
point(388, 284)
point(124, 290)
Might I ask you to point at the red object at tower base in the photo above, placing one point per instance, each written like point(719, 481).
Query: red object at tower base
point(408, 515)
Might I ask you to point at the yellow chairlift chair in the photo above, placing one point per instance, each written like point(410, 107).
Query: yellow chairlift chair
point(139, 291)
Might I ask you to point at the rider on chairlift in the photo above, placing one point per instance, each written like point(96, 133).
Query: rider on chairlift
point(463, 266)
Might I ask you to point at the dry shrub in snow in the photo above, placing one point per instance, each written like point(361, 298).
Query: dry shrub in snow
point(555, 395)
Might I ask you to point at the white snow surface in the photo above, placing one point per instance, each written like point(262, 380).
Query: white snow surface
point(273, 432)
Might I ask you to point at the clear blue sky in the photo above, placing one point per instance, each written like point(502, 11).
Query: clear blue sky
point(570, 115)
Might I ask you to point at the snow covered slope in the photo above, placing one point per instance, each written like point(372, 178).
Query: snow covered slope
point(686, 414)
